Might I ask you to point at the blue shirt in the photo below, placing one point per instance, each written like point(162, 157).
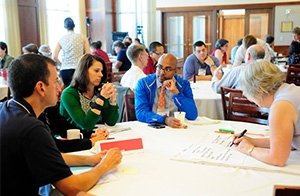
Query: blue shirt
point(192, 65)
point(126, 64)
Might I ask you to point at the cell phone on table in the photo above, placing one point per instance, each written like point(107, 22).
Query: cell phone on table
point(156, 125)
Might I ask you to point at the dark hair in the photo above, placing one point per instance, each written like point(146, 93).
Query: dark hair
point(69, 23)
point(95, 45)
point(294, 48)
point(25, 71)
point(32, 48)
point(220, 43)
point(99, 43)
point(240, 42)
point(154, 45)
point(198, 44)
point(269, 39)
point(118, 43)
point(3, 46)
point(138, 40)
point(80, 78)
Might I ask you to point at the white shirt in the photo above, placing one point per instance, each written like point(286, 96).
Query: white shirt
point(131, 77)
point(241, 53)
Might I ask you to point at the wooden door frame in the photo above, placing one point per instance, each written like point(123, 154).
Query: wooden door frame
point(270, 11)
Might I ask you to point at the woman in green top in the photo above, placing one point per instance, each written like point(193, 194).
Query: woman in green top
point(89, 99)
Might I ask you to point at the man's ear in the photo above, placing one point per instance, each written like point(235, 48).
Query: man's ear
point(40, 88)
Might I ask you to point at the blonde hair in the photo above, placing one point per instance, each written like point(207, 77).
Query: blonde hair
point(260, 77)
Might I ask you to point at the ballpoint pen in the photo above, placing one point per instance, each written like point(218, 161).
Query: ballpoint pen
point(241, 135)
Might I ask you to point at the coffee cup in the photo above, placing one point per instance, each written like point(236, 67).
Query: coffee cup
point(180, 116)
point(74, 134)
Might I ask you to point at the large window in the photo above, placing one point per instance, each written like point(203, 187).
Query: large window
point(2, 32)
point(55, 19)
point(133, 18)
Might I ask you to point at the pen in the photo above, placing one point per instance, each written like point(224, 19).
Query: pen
point(241, 135)
point(226, 130)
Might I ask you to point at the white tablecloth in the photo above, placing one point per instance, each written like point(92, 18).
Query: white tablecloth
point(153, 173)
point(3, 91)
point(208, 102)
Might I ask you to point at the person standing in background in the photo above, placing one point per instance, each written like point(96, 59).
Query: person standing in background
point(73, 45)
point(5, 58)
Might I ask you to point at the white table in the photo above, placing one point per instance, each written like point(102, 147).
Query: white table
point(153, 173)
point(208, 102)
point(3, 89)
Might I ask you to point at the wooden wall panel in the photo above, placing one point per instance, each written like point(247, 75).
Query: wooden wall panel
point(29, 22)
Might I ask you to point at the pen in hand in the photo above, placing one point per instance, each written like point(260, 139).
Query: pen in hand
point(241, 135)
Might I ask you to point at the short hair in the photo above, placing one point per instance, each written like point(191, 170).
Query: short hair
point(296, 30)
point(220, 43)
point(31, 48)
point(256, 52)
point(133, 52)
point(118, 43)
point(69, 23)
point(198, 44)
point(3, 46)
point(240, 42)
point(294, 48)
point(260, 77)
point(95, 45)
point(25, 71)
point(137, 39)
point(45, 50)
point(269, 39)
point(154, 45)
point(249, 40)
point(80, 78)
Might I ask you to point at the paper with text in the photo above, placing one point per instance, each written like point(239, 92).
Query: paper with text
point(214, 149)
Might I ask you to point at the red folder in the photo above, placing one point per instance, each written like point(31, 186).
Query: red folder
point(126, 145)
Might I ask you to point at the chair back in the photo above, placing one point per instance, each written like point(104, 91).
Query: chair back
point(293, 74)
point(117, 76)
point(129, 107)
point(241, 109)
point(225, 99)
point(121, 101)
point(109, 71)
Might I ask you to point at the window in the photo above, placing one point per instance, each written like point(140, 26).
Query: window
point(2, 32)
point(131, 16)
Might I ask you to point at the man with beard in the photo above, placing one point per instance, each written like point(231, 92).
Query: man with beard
point(176, 92)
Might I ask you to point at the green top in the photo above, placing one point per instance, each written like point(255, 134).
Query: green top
point(4, 63)
point(72, 109)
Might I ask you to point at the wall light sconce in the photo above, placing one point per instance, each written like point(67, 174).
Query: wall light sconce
point(288, 12)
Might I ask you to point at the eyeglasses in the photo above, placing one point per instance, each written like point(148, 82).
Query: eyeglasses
point(158, 54)
point(166, 69)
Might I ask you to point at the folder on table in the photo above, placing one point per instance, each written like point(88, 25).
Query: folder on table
point(125, 144)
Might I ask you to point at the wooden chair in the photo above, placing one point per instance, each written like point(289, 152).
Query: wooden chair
point(225, 99)
point(129, 107)
point(293, 74)
point(241, 109)
point(117, 76)
point(109, 70)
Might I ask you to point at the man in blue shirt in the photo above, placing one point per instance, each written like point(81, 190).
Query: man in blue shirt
point(178, 95)
point(199, 60)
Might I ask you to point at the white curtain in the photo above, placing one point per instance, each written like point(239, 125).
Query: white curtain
point(43, 22)
point(11, 26)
